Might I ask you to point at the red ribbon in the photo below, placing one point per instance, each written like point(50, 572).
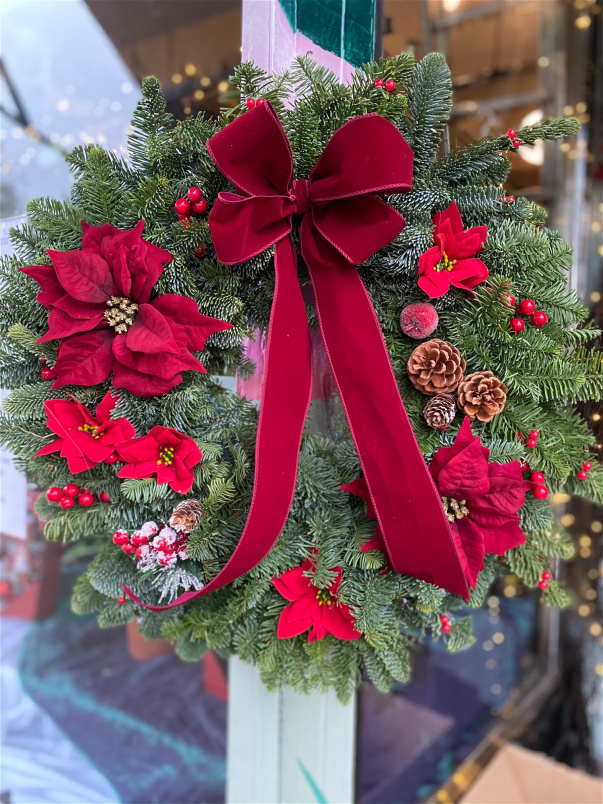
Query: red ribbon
point(344, 223)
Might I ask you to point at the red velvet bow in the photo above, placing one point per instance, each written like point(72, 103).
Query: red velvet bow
point(343, 224)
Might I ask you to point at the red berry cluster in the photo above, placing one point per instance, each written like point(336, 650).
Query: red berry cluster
point(583, 473)
point(387, 85)
point(543, 583)
point(194, 202)
point(251, 102)
point(445, 621)
point(512, 135)
point(533, 437)
point(509, 198)
point(67, 496)
point(527, 308)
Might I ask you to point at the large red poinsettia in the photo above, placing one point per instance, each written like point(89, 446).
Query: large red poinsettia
point(452, 260)
point(165, 453)
point(84, 439)
point(481, 499)
point(313, 608)
point(100, 307)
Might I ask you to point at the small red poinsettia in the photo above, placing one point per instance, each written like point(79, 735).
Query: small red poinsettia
point(452, 260)
point(99, 302)
point(313, 608)
point(481, 499)
point(165, 453)
point(359, 489)
point(84, 439)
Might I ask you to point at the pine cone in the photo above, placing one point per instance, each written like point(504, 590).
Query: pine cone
point(439, 411)
point(186, 516)
point(482, 396)
point(436, 367)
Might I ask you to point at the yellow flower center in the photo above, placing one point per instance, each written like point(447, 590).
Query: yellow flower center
point(92, 429)
point(445, 264)
point(454, 509)
point(121, 313)
point(324, 598)
point(166, 456)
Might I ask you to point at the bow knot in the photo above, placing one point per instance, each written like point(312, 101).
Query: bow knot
point(299, 196)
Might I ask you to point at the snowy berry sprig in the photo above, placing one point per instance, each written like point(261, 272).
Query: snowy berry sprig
point(153, 546)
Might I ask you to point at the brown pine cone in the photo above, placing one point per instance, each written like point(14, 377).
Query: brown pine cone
point(439, 411)
point(482, 396)
point(186, 516)
point(436, 367)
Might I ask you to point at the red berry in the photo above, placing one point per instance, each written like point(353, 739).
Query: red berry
point(582, 475)
point(539, 318)
point(47, 374)
point(184, 220)
point(138, 552)
point(182, 206)
point(516, 143)
point(104, 497)
point(524, 465)
point(543, 585)
point(54, 494)
point(531, 443)
point(128, 548)
point(446, 628)
point(200, 251)
point(259, 101)
point(540, 492)
point(43, 360)
point(511, 133)
point(517, 324)
point(444, 618)
point(111, 459)
point(85, 500)
point(587, 466)
point(546, 576)
point(533, 434)
point(250, 103)
point(511, 300)
point(419, 320)
point(199, 207)
point(121, 600)
point(390, 85)
point(120, 537)
point(379, 82)
point(511, 199)
point(526, 307)
point(537, 477)
point(66, 502)
point(138, 539)
point(194, 194)
point(71, 490)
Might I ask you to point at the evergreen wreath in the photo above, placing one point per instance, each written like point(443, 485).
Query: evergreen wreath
point(168, 525)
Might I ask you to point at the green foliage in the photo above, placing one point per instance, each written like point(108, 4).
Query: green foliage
point(545, 370)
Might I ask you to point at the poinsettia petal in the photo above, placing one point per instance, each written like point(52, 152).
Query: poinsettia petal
point(499, 540)
point(138, 471)
point(468, 273)
point(93, 236)
point(339, 621)
point(183, 482)
point(84, 275)
point(141, 384)
point(150, 333)
point(429, 260)
point(162, 366)
point(435, 284)
point(465, 475)
point(104, 408)
point(84, 359)
point(80, 309)
point(62, 325)
point(121, 273)
point(468, 243)
point(186, 321)
point(50, 287)
point(292, 584)
point(140, 449)
point(450, 217)
point(287, 629)
point(79, 463)
point(54, 446)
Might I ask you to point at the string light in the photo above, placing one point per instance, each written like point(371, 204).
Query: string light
point(584, 610)
point(595, 629)
point(190, 69)
point(223, 86)
point(176, 78)
point(199, 94)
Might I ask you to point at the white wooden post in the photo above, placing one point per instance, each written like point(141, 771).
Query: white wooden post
point(282, 747)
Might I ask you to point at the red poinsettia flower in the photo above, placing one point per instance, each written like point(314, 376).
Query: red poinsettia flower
point(452, 260)
point(165, 453)
point(84, 439)
point(100, 307)
point(481, 499)
point(359, 489)
point(311, 607)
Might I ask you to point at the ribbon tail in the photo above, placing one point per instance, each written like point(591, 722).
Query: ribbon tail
point(408, 506)
point(286, 391)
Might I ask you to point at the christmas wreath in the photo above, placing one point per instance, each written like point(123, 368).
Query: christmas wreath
point(448, 325)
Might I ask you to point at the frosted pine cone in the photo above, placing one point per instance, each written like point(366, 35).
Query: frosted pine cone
point(482, 396)
point(439, 411)
point(186, 516)
point(436, 367)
